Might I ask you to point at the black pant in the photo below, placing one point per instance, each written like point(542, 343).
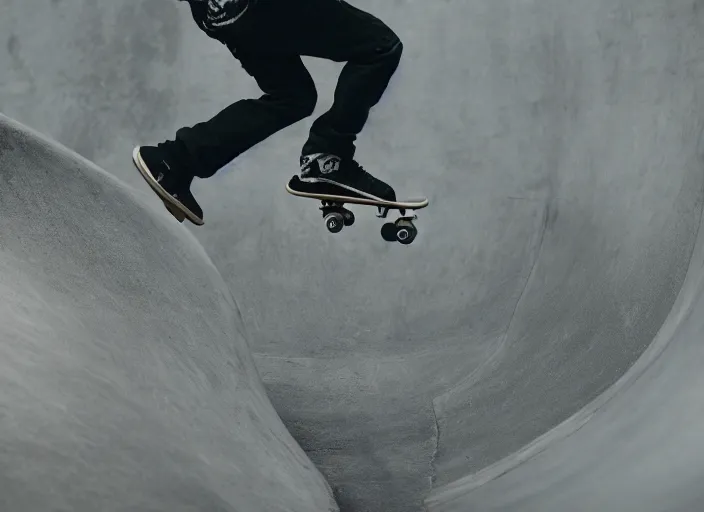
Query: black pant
point(268, 41)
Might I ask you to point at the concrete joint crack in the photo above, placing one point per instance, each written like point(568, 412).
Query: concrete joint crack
point(433, 471)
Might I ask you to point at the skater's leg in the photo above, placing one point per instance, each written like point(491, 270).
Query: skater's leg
point(201, 150)
point(360, 87)
point(337, 31)
point(372, 52)
point(289, 95)
point(333, 30)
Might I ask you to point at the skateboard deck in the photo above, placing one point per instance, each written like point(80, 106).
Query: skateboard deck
point(336, 216)
point(173, 205)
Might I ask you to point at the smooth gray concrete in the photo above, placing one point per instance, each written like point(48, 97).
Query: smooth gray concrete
point(559, 143)
point(637, 447)
point(125, 380)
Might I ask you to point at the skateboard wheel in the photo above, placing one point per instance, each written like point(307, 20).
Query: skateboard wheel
point(406, 235)
point(405, 231)
point(334, 222)
point(349, 218)
point(388, 232)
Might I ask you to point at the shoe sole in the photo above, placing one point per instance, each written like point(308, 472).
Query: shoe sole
point(173, 205)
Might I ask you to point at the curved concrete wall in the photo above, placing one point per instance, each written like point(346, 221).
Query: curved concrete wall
point(126, 382)
point(637, 447)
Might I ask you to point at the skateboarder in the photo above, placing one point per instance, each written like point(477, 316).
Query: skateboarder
point(268, 37)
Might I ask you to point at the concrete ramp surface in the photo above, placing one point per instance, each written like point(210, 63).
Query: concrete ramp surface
point(537, 346)
point(126, 383)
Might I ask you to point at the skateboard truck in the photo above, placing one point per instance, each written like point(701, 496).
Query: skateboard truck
point(402, 230)
point(336, 216)
point(383, 211)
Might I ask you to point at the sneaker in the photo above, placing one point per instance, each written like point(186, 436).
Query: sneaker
point(170, 180)
point(332, 172)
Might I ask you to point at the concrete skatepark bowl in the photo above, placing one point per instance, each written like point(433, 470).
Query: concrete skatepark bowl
point(537, 348)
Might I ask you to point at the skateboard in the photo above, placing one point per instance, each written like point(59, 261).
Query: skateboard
point(336, 216)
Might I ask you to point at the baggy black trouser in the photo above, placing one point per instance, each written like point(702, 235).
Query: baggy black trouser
point(269, 41)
